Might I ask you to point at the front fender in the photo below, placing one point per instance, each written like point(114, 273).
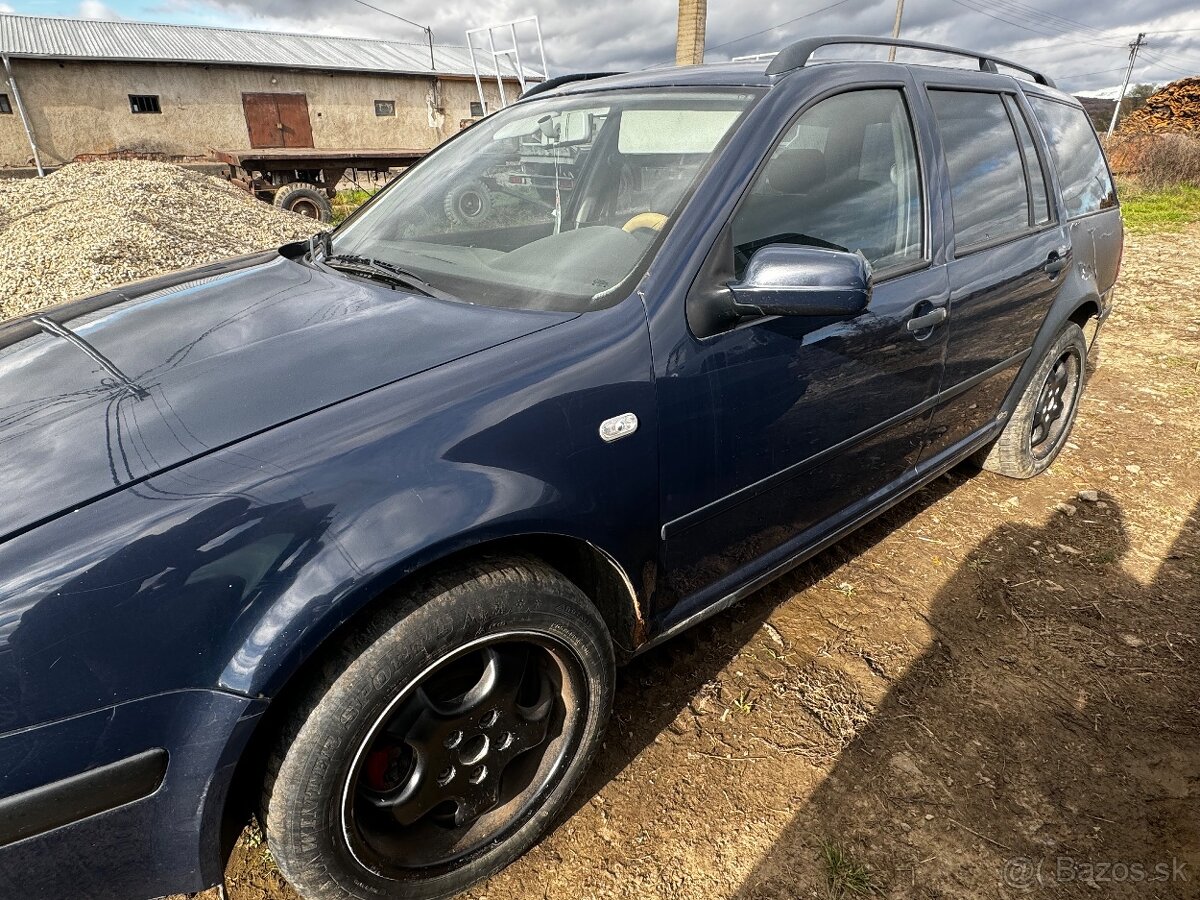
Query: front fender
point(230, 570)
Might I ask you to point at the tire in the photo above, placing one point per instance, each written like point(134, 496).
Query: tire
point(469, 203)
point(306, 200)
point(346, 748)
point(1040, 425)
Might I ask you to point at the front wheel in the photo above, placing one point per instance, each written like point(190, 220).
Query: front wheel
point(442, 738)
point(1042, 421)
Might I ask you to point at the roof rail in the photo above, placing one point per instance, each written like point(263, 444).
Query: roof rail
point(796, 56)
point(551, 83)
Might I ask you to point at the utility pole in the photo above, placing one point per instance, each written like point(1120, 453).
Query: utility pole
point(896, 29)
point(1133, 52)
point(689, 33)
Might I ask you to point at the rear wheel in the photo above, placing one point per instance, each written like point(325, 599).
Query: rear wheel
point(306, 200)
point(1042, 421)
point(443, 738)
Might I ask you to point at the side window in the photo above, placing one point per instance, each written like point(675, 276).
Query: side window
point(845, 176)
point(1086, 184)
point(987, 183)
point(1033, 165)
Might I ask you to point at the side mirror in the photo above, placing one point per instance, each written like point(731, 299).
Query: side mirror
point(793, 280)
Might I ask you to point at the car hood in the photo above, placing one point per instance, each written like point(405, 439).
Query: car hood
point(103, 392)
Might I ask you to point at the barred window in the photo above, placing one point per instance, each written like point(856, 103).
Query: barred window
point(144, 103)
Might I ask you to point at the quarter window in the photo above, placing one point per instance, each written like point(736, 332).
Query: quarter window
point(5, 105)
point(987, 184)
point(385, 107)
point(845, 176)
point(1086, 184)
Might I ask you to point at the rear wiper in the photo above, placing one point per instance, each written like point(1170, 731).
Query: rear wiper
point(385, 272)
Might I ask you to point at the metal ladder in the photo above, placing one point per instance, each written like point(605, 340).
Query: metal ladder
point(507, 57)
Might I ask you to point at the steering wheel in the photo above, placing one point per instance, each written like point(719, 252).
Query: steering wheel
point(652, 220)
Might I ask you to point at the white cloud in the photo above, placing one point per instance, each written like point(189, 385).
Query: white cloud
point(94, 9)
point(1081, 45)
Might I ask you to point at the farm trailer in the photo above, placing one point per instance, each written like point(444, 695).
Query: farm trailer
point(302, 179)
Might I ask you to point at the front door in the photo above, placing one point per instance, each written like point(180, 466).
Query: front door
point(775, 430)
point(278, 120)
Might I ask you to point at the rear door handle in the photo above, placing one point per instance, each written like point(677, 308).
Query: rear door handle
point(928, 320)
point(1057, 260)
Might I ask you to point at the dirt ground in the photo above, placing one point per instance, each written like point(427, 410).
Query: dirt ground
point(989, 692)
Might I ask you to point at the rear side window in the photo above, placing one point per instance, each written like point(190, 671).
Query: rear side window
point(987, 180)
point(1033, 165)
point(1086, 184)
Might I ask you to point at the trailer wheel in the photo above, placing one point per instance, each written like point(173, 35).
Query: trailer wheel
point(306, 199)
point(469, 203)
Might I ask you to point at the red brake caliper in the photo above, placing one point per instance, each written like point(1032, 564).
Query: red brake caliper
point(376, 770)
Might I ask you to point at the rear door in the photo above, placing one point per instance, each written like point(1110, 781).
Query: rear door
point(1007, 254)
point(277, 120)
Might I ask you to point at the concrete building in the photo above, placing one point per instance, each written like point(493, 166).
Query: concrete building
point(94, 89)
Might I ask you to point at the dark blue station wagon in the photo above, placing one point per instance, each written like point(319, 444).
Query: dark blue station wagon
point(361, 527)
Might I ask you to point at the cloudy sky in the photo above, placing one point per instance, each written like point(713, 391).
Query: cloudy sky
point(1082, 45)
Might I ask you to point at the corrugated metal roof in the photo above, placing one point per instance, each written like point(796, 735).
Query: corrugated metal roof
point(55, 38)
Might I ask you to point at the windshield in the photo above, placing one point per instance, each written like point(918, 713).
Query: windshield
point(549, 204)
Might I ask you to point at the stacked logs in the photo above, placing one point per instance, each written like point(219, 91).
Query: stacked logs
point(1174, 108)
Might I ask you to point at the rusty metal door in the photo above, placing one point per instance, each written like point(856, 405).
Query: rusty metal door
point(278, 120)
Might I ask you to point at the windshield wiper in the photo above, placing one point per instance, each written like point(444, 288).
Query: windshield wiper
point(386, 272)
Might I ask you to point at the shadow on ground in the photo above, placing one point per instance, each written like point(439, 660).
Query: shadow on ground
point(1047, 742)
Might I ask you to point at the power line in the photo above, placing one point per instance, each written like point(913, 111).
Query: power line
point(1038, 47)
point(1006, 7)
point(392, 14)
point(1010, 12)
point(969, 4)
point(1016, 7)
point(1069, 25)
point(1187, 60)
point(425, 28)
point(1086, 74)
point(1166, 65)
point(775, 26)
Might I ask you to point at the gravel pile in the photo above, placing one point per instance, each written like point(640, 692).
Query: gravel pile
point(91, 226)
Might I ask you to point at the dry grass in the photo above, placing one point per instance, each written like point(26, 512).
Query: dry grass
point(1159, 161)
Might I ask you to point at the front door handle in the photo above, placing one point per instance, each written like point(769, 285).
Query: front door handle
point(933, 317)
point(1057, 261)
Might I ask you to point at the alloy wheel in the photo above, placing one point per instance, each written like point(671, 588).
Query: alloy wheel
point(464, 754)
point(1055, 404)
